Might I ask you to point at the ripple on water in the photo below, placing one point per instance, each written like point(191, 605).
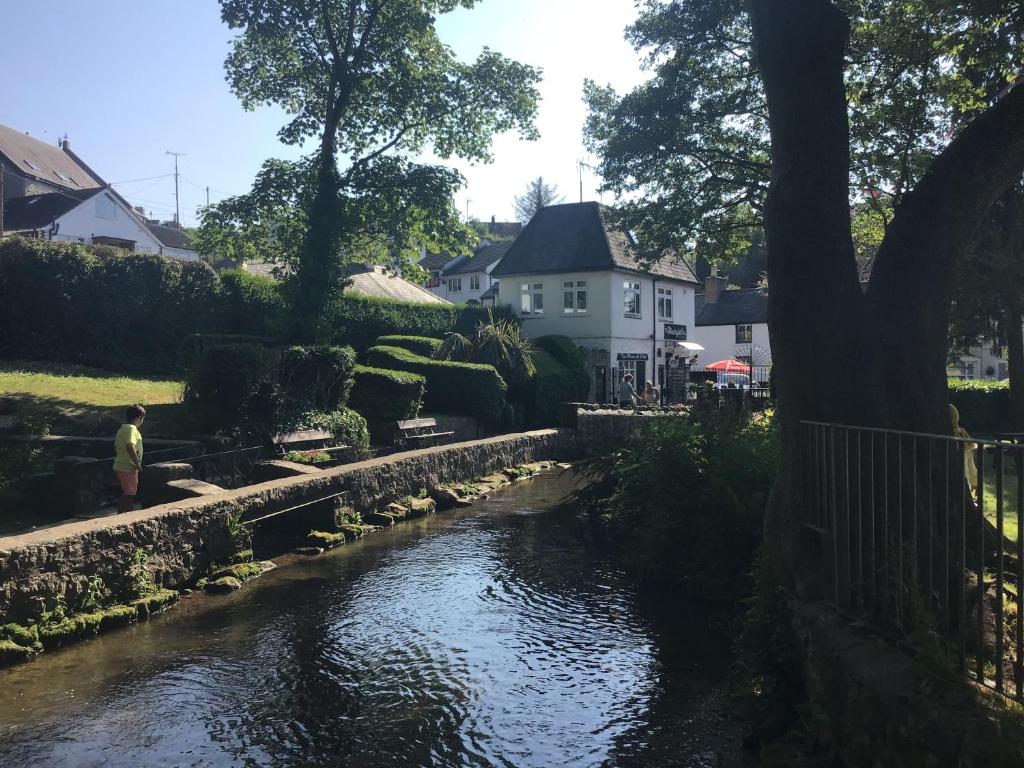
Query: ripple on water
point(489, 639)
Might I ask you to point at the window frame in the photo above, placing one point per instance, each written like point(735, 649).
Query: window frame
point(665, 300)
point(572, 292)
point(744, 338)
point(474, 282)
point(531, 299)
point(454, 285)
point(632, 289)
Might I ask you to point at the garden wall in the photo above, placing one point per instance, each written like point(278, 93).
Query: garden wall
point(884, 708)
point(184, 539)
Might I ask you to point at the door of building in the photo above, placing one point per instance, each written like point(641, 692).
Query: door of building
point(641, 375)
point(601, 384)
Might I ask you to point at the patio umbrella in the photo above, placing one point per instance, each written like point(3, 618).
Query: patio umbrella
point(728, 366)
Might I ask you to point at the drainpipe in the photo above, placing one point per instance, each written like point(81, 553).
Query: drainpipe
point(654, 333)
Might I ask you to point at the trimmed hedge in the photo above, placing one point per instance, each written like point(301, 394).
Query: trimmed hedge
point(318, 377)
point(196, 344)
point(419, 345)
point(100, 306)
point(468, 389)
point(360, 320)
point(233, 385)
point(561, 377)
point(383, 395)
point(250, 304)
point(984, 405)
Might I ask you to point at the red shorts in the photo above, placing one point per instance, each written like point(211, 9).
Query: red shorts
point(129, 482)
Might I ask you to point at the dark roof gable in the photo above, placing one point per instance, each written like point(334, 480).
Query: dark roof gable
point(733, 307)
point(39, 211)
point(170, 236)
point(480, 261)
point(574, 237)
point(36, 159)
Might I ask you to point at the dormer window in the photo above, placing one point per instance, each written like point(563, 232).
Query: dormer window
point(33, 166)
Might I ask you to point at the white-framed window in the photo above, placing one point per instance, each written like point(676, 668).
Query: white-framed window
point(454, 284)
point(631, 295)
point(664, 303)
point(474, 282)
point(574, 297)
point(105, 207)
point(744, 333)
point(531, 298)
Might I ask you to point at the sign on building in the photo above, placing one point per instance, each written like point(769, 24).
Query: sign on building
point(675, 332)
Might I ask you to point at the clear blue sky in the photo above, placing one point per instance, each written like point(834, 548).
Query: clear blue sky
point(128, 80)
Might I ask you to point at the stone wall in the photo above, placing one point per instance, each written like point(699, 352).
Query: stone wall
point(183, 539)
point(605, 430)
point(884, 708)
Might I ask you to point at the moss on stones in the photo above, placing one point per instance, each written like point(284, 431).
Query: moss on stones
point(150, 604)
point(352, 530)
point(23, 636)
point(222, 586)
point(245, 556)
point(117, 616)
point(324, 539)
point(11, 652)
point(240, 571)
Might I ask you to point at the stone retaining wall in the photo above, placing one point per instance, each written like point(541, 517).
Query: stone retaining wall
point(183, 539)
point(884, 708)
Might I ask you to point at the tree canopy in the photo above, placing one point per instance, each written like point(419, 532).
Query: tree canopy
point(369, 81)
point(538, 194)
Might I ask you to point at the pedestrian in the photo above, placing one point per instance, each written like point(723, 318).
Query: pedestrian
point(627, 394)
point(128, 456)
point(651, 395)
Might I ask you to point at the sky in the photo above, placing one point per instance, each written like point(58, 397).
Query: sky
point(130, 80)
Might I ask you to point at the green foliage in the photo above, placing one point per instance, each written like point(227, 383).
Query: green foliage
point(468, 389)
point(539, 194)
point(348, 427)
point(984, 405)
point(372, 82)
point(100, 306)
point(94, 595)
point(420, 345)
point(360, 320)
point(195, 345)
point(387, 395)
point(686, 503)
point(318, 377)
point(138, 578)
point(233, 387)
point(307, 457)
point(250, 304)
point(553, 384)
point(495, 341)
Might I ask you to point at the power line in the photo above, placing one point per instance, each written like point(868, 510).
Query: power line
point(148, 178)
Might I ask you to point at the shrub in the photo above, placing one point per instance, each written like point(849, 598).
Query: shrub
point(318, 377)
point(984, 405)
point(196, 344)
point(686, 503)
point(359, 320)
point(468, 389)
point(552, 384)
point(250, 304)
point(100, 306)
point(383, 395)
point(420, 345)
point(234, 387)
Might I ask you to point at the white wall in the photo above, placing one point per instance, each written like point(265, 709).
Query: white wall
point(719, 342)
point(466, 293)
point(102, 215)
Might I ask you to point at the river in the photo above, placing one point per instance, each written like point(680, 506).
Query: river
point(492, 636)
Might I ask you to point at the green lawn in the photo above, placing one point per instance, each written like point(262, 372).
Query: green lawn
point(77, 400)
point(1010, 510)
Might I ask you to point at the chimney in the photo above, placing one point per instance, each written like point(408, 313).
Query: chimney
point(64, 143)
point(713, 287)
point(492, 220)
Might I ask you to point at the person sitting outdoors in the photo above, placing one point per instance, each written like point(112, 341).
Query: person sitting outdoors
point(651, 395)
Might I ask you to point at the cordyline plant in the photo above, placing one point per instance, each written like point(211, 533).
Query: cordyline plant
point(500, 343)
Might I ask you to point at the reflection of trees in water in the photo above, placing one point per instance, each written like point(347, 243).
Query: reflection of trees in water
point(325, 686)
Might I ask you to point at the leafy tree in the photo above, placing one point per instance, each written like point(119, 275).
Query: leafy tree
point(371, 81)
point(539, 194)
point(500, 343)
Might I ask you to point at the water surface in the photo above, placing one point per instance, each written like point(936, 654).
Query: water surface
point(496, 636)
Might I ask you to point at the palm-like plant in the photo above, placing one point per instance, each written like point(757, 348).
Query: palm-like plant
point(500, 343)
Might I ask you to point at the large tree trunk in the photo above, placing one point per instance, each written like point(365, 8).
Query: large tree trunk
point(874, 358)
point(1015, 359)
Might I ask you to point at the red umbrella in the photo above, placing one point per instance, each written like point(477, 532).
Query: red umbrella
point(728, 366)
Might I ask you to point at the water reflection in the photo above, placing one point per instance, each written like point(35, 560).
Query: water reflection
point(494, 637)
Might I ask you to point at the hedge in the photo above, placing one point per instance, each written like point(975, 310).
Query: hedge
point(100, 306)
point(385, 396)
point(561, 377)
point(359, 320)
point(318, 377)
point(419, 345)
point(468, 389)
point(233, 386)
point(252, 304)
point(984, 405)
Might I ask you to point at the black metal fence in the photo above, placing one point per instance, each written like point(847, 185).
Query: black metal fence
point(228, 469)
point(920, 532)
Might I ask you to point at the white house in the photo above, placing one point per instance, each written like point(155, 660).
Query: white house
point(733, 324)
point(466, 279)
point(568, 273)
point(49, 192)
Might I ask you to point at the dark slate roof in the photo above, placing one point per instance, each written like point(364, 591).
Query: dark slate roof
point(480, 261)
point(434, 261)
point(170, 236)
point(490, 293)
point(40, 160)
point(732, 308)
point(38, 211)
point(574, 237)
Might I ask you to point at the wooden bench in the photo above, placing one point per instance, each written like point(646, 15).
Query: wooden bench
point(307, 440)
point(416, 433)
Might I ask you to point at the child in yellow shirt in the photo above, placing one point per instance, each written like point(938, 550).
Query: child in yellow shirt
point(128, 456)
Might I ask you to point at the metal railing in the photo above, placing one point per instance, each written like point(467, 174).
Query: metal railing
point(912, 532)
point(228, 469)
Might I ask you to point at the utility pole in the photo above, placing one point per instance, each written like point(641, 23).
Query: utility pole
point(468, 201)
point(579, 168)
point(177, 207)
point(2, 170)
point(207, 195)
